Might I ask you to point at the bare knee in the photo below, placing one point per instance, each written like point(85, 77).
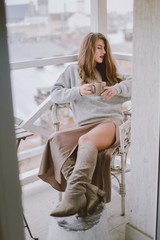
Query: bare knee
point(85, 139)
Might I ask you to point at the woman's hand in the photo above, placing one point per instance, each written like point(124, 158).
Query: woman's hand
point(85, 89)
point(109, 93)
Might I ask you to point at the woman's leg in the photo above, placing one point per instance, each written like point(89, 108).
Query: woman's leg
point(93, 194)
point(74, 198)
point(102, 136)
point(99, 138)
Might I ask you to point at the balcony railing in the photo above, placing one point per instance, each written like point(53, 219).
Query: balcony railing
point(59, 60)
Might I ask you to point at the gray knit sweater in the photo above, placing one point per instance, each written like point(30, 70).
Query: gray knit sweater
point(91, 108)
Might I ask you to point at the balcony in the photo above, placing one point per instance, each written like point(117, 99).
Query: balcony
point(144, 181)
point(29, 155)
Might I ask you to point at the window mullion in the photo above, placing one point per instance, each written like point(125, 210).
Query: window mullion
point(99, 16)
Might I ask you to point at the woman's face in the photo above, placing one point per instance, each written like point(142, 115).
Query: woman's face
point(100, 51)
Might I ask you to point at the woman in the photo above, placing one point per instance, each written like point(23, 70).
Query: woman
point(71, 155)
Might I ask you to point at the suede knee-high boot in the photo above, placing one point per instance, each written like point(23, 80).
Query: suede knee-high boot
point(75, 195)
point(94, 195)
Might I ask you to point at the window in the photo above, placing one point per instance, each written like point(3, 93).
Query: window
point(46, 28)
point(52, 28)
point(42, 29)
point(120, 25)
point(120, 30)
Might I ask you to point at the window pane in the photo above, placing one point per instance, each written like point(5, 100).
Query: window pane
point(46, 28)
point(120, 25)
point(125, 67)
point(31, 86)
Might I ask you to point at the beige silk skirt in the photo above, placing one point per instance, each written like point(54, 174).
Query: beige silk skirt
point(63, 144)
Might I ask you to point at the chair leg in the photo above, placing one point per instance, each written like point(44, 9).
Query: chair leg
point(27, 226)
point(123, 183)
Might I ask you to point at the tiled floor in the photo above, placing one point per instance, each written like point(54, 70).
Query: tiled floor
point(38, 200)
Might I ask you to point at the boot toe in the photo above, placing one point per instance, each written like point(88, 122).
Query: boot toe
point(68, 208)
point(63, 210)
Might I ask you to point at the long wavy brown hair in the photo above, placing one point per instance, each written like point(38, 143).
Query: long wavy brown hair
point(88, 66)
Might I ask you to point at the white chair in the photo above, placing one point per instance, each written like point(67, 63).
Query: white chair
point(122, 152)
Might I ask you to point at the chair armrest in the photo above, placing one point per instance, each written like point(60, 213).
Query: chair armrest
point(126, 109)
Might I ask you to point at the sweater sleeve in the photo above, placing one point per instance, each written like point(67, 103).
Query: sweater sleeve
point(64, 90)
point(124, 88)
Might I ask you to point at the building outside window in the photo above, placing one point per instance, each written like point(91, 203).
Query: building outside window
point(120, 30)
point(46, 28)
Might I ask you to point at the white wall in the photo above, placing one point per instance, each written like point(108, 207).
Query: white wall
point(145, 120)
